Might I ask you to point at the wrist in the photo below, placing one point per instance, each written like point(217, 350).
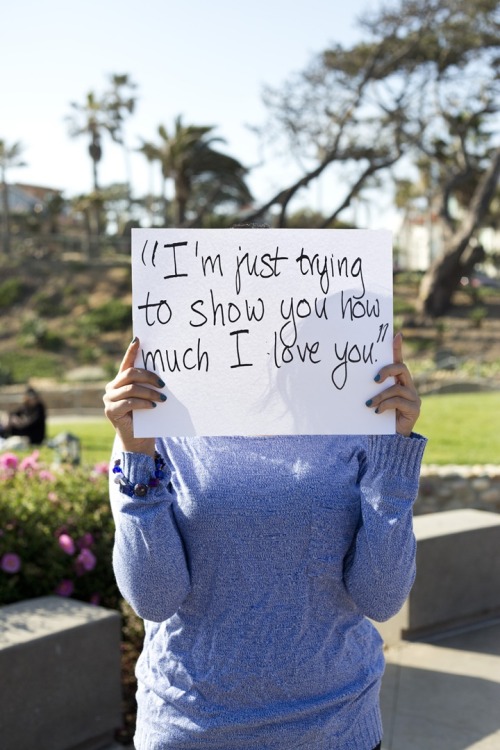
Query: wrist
point(136, 473)
point(134, 445)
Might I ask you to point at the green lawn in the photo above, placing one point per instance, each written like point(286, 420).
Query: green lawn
point(96, 437)
point(462, 429)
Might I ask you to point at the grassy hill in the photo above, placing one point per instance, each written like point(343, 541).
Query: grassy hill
point(58, 316)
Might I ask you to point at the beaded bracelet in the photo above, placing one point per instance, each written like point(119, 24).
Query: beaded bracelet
point(140, 489)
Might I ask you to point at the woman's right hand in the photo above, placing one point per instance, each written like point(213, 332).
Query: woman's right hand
point(133, 388)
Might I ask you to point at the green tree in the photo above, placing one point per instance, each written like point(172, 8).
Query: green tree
point(152, 154)
point(203, 178)
point(332, 119)
point(445, 53)
point(90, 206)
point(92, 119)
point(423, 84)
point(119, 102)
point(99, 116)
point(10, 157)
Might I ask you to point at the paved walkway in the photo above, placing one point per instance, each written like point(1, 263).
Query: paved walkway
point(444, 694)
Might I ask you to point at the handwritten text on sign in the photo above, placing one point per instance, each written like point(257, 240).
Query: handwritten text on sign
point(263, 331)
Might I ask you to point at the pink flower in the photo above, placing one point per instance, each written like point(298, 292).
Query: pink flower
point(8, 465)
point(46, 475)
point(87, 540)
point(65, 588)
point(101, 468)
point(9, 461)
point(67, 544)
point(30, 463)
point(86, 560)
point(95, 599)
point(52, 496)
point(11, 563)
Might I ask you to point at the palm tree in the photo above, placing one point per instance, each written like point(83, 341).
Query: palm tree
point(119, 102)
point(10, 157)
point(188, 159)
point(150, 153)
point(92, 119)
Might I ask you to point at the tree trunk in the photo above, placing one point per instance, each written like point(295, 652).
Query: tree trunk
point(458, 259)
point(5, 217)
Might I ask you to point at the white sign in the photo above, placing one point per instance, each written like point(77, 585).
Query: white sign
point(263, 331)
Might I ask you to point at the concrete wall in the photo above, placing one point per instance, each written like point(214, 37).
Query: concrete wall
point(77, 398)
point(60, 677)
point(453, 487)
point(458, 575)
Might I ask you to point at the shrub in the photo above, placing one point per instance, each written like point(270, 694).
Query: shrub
point(11, 292)
point(5, 375)
point(477, 315)
point(56, 537)
point(56, 532)
point(113, 315)
point(35, 332)
point(21, 364)
point(403, 306)
point(49, 305)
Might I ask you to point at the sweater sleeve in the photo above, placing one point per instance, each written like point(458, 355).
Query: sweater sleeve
point(148, 554)
point(380, 567)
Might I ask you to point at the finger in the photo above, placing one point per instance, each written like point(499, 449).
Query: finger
point(136, 392)
point(395, 391)
point(136, 375)
point(397, 347)
point(397, 370)
point(130, 355)
point(116, 411)
point(403, 406)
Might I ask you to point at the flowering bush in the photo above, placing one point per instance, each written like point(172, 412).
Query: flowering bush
point(56, 537)
point(56, 532)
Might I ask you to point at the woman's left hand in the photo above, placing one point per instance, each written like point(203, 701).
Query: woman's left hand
point(402, 396)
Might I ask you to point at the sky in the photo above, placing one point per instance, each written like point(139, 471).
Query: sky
point(207, 61)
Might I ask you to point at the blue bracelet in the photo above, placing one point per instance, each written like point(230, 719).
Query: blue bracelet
point(140, 489)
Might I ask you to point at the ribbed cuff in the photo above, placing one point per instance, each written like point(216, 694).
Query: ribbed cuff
point(398, 454)
point(137, 467)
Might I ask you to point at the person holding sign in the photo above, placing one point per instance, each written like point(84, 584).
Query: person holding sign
point(255, 563)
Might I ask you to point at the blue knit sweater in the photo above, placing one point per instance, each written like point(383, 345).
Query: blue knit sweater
point(255, 567)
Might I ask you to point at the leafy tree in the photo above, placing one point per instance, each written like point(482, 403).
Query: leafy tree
point(446, 54)
point(10, 157)
point(423, 85)
point(335, 117)
point(203, 178)
point(306, 218)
